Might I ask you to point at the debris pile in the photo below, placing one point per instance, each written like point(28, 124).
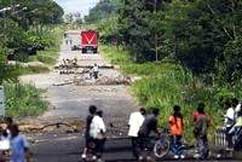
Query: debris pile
point(70, 67)
point(67, 64)
point(119, 80)
point(81, 74)
point(58, 127)
point(70, 71)
point(103, 80)
point(84, 79)
point(72, 64)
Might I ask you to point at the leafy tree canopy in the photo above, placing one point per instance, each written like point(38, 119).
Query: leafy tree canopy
point(202, 35)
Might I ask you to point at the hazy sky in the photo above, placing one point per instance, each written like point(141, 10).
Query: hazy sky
point(82, 6)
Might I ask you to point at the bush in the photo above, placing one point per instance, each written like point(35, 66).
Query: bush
point(23, 100)
point(115, 55)
point(50, 54)
point(47, 57)
point(121, 57)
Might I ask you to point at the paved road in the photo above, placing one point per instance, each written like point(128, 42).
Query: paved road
point(67, 148)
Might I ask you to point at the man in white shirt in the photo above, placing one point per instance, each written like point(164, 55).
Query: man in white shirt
point(95, 71)
point(230, 118)
point(238, 109)
point(136, 120)
point(97, 132)
point(97, 127)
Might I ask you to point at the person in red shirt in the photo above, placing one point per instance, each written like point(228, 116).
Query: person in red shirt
point(196, 114)
point(176, 126)
point(200, 112)
point(201, 123)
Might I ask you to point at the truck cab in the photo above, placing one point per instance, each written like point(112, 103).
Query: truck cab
point(89, 41)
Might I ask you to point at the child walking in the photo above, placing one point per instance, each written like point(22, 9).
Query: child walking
point(19, 146)
point(176, 126)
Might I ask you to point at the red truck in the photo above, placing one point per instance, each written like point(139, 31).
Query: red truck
point(89, 41)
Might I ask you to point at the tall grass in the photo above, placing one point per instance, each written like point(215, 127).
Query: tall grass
point(165, 84)
point(121, 57)
point(48, 56)
point(23, 100)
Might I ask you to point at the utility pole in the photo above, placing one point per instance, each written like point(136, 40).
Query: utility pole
point(156, 36)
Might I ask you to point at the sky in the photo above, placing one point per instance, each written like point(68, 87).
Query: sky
point(82, 6)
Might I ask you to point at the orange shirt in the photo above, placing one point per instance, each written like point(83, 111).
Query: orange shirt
point(176, 126)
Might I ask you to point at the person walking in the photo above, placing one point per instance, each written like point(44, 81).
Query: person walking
point(149, 125)
point(199, 111)
point(229, 121)
point(136, 120)
point(200, 130)
point(19, 146)
point(95, 71)
point(236, 130)
point(5, 137)
point(97, 132)
point(176, 126)
point(88, 138)
point(4, 144)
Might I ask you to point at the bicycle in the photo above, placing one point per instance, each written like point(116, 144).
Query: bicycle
point(154, 147)
point(163, 145)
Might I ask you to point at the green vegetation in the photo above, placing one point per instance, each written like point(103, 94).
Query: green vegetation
point(102, 11)
point(50, 55)
point(15, 71)
point(122, 57)
point(29, 32)
point(23, 100)
point(203, 36)
point(166, 83)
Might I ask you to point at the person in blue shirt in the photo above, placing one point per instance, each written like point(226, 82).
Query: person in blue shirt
point(18, 145)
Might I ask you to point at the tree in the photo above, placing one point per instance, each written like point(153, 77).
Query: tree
point(140, 28)
point(69, 18)
point(103, 10)
point(30, 12)
point(22, 17)
point(202, 29)
point(202, 35)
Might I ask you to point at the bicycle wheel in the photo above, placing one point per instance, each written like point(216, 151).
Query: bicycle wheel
point(161, 148)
